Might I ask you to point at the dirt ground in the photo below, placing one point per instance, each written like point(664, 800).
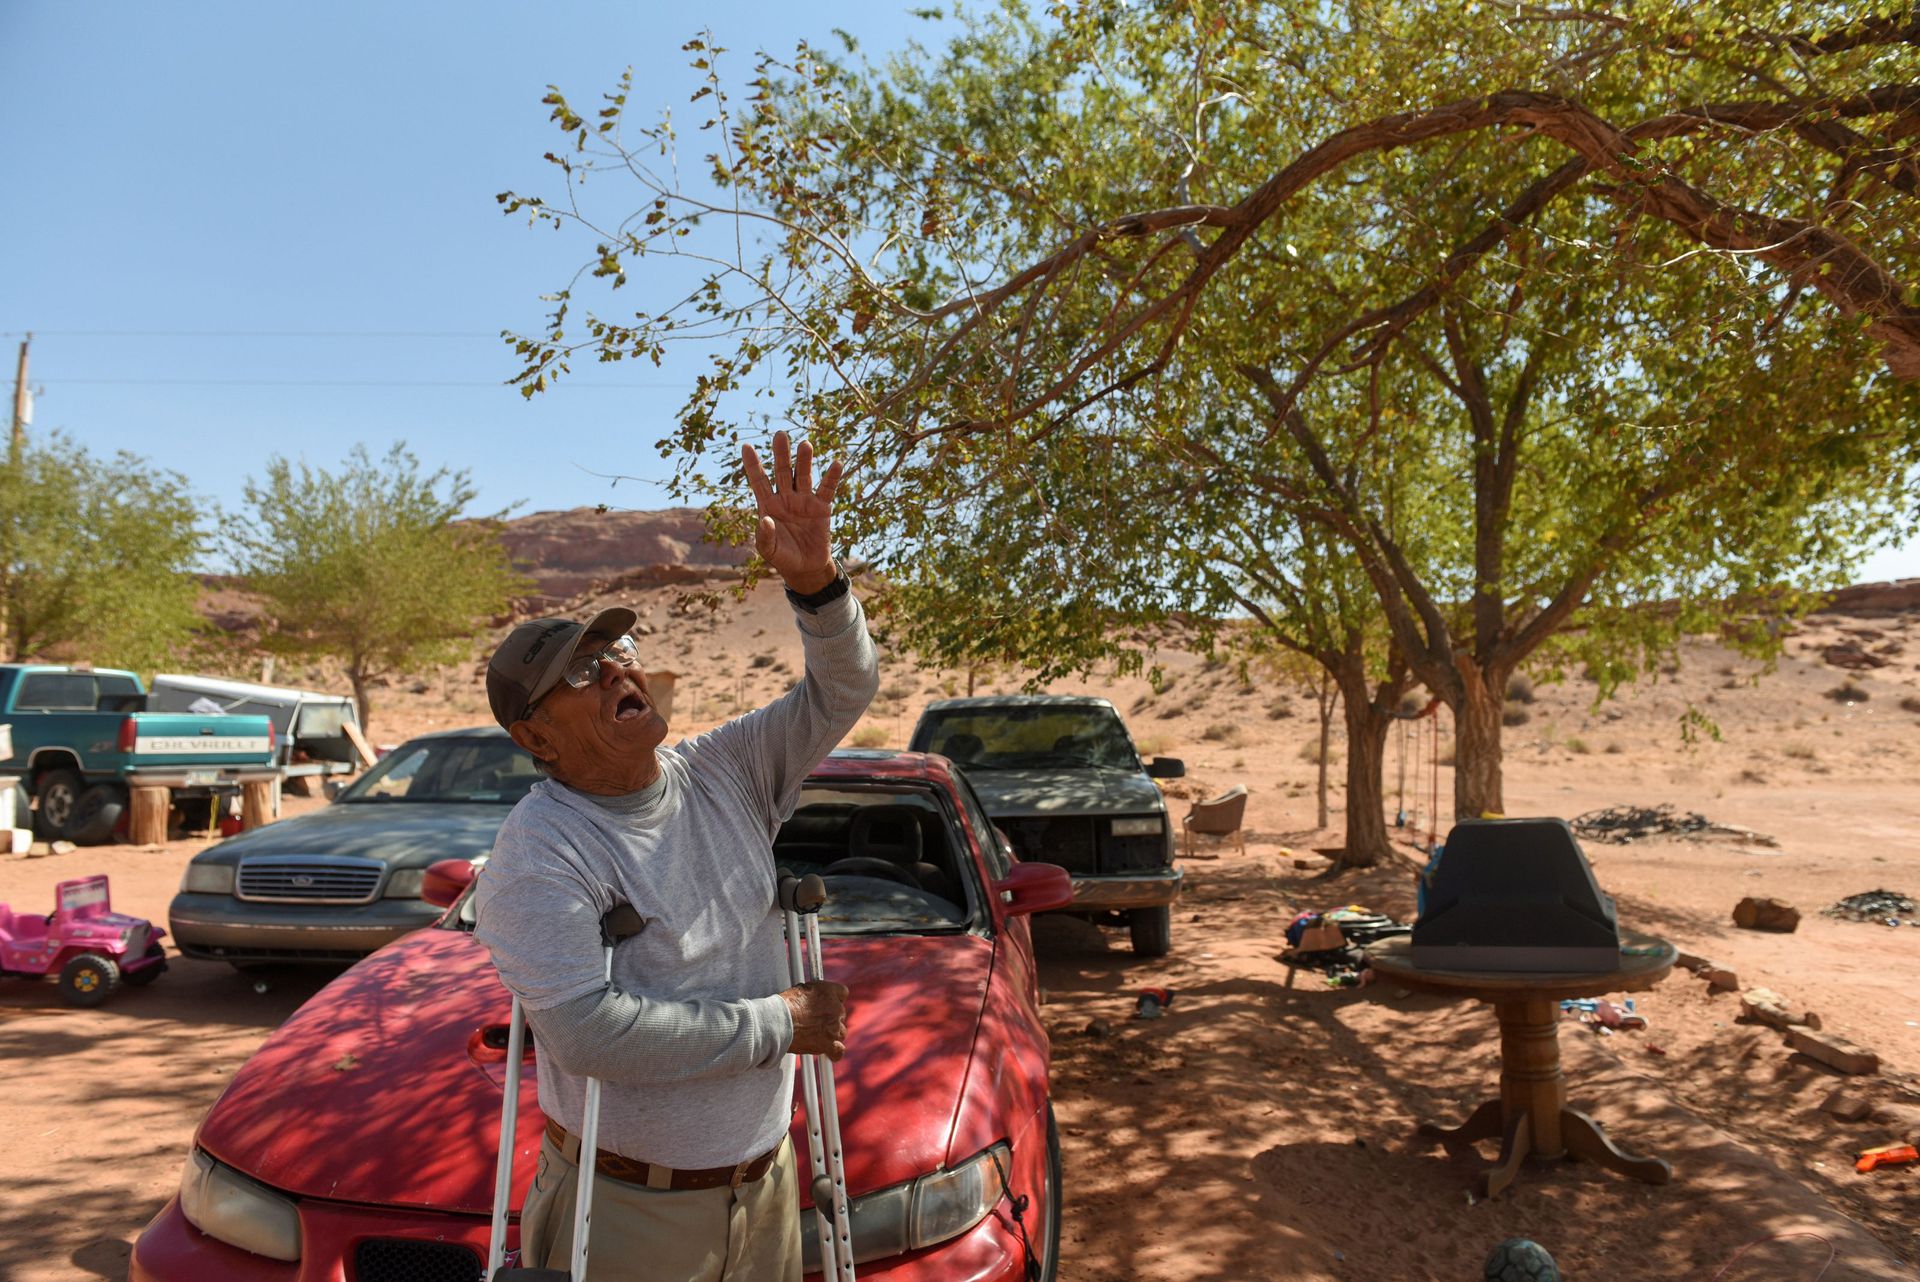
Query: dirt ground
point(1259, 1130)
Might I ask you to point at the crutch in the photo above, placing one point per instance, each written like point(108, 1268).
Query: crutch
point(800, 899)
point(614, 927)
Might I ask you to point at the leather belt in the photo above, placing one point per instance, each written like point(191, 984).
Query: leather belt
point(627, 1170)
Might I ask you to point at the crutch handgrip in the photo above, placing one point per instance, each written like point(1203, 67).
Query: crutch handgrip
point(802, 894)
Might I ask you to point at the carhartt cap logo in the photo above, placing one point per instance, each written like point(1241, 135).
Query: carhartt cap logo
point(541, 642)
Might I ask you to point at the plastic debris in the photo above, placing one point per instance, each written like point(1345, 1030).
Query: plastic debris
point(1873, 905)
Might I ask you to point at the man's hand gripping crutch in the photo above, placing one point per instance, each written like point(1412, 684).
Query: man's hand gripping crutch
point(801, 899)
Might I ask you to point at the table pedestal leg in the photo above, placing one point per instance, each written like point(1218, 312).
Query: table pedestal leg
point(1530, 1082)
point(1585, 1140)
point(1484, 1123)
point(1513, 1151)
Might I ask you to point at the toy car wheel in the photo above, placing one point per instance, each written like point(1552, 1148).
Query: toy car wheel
point(59, 792)
point(88, 979)
point(1152, 931)
point(96, 815)
point(147, 974)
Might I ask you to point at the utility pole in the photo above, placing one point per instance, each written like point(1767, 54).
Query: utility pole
point(22, 414)
point(22, 406)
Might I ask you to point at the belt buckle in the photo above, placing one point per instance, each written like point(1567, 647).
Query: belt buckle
point(739, 1174)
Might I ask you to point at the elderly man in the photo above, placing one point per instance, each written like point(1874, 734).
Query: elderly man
point(692, 1038)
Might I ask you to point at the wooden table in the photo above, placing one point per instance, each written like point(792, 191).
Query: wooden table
point(1530, 1115)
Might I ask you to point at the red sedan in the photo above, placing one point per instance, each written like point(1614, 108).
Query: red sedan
point(357, 1145)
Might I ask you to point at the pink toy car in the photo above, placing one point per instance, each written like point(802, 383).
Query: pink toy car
point(89, 946)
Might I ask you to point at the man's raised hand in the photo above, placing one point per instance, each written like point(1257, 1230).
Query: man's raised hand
point(793, 535)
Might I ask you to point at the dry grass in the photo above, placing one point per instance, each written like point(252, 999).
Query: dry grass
point(1520, 689)
point(870, 736)
point(1310, 752)
point(1514, 716)
point(1225, 732)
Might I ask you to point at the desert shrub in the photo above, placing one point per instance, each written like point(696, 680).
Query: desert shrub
point(1213, 663)
point(761, 661)
point(1279, 710)
point(1310, 752)
point(1752, 776)
point(899, 690)
point(1520, 689)
point(869, 736)
point(1911, 703)
point(1152, 745)
point(1800, 751)
point(1847, 692)
point(1514, 716)
point(1579, 745)
point(1225, 732)
point(1613, 749)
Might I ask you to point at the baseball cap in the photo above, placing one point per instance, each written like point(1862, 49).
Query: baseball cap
point(529, 662)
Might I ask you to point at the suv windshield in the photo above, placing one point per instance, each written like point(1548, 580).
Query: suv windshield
point(1017, 737)
point(439, 770)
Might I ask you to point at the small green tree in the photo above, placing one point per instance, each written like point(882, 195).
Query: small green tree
point(373, 565)
point(96, 557)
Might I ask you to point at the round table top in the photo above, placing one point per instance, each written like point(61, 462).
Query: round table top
point(1637, 971)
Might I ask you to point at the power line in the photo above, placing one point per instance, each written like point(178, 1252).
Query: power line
point(255, 333)
point(277, 382)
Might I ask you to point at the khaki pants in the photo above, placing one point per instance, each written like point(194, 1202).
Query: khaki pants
point(748, 1234)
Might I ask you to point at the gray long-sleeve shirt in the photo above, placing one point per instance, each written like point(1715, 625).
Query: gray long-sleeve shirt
point(690, 1040)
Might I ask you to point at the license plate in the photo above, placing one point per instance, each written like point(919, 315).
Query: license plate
point(201, 778)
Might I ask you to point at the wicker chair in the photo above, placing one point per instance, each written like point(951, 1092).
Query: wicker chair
point(1218, 817)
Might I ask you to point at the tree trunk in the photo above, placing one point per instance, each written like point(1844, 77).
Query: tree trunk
point(362, 702)
point(1476, 768)
point(1326, 696)
point(1367, 840)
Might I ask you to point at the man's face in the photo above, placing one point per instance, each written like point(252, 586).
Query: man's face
point(577, 731)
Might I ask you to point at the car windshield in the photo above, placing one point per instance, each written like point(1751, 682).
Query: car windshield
point(444, 770)
point(893, 859)
point(1017, 737)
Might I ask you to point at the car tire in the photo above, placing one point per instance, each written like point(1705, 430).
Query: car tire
point(96, 815)
point(59, 794)
point(1050, 1240)
point(1152, 931)
point(88, 980)
point(146, 974)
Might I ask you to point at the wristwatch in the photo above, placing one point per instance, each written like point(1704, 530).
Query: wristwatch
point(812, 601)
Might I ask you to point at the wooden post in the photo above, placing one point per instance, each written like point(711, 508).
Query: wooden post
point(147, 815)
point(256, 803)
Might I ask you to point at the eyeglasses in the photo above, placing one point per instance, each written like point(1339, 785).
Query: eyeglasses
point(584, 671)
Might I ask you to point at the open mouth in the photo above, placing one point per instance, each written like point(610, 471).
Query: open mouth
point(629, 707)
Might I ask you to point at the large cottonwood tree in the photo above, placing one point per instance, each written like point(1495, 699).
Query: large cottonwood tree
point(1540, 314)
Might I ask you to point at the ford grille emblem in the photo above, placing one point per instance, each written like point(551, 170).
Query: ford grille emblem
point(303, 881)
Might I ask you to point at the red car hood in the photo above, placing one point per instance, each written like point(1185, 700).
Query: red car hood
point(381, 1091)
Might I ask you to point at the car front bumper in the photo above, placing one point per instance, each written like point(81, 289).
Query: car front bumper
point(223, 928)
point(1125, 890)
point(170, 1249)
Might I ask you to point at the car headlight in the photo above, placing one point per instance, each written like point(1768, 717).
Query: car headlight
point(1150, 826)
point(224, 1204)
point(921, 1213)
point(207, 879)
point(404, 883)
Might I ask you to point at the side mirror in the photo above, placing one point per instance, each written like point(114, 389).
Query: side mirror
point(1034, 888)
point(446, 881)
point(1166, 768)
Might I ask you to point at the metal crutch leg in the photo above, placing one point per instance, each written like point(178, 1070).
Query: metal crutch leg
point(802, 897)
point(614, 927)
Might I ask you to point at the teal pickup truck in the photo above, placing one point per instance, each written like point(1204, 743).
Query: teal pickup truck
point(80, 738)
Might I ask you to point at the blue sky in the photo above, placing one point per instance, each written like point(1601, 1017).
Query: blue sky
point(246, 229)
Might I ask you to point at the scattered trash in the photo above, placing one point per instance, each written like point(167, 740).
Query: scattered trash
point(1153, 1002)
point(1886, 1155)
point(1519, 1259)
point(1621, 824)
point(1873, 905)
point(62, 848)
point(1655, 1050)
point(1603, 1015)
